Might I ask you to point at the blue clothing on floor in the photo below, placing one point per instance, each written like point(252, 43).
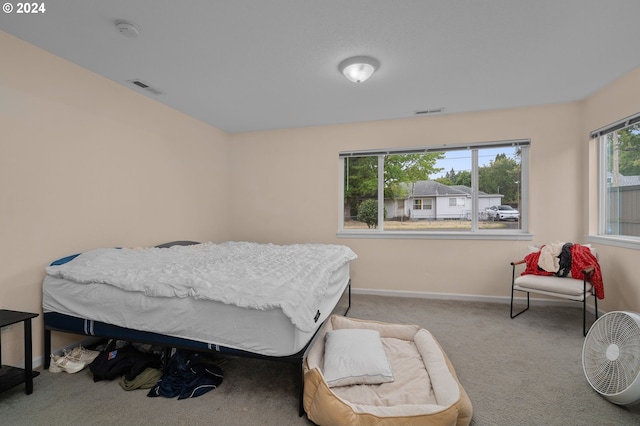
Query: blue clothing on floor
point(189, 375)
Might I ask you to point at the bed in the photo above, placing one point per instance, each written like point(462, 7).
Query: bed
point(406, 380)
point(236, 298)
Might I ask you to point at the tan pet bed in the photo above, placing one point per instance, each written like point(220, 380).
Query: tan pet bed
point(421, 387)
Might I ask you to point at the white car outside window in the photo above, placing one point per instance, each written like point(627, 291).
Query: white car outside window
point(503, 212)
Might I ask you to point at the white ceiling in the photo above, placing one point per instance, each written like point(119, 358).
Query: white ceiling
point(245, 65)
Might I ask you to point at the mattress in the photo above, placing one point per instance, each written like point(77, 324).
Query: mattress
point(268, 332)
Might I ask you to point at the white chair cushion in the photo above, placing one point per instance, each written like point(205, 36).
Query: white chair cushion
point(562, 286)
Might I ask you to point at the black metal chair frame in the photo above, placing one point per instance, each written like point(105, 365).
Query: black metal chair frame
point(586, 277)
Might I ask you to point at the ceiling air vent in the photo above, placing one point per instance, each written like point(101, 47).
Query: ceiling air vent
point(145, 86)
point(430, 111)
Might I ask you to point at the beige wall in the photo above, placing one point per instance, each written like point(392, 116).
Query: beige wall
point(615, 102)
point(286, 182)
point(291, 178)
point(87, 163)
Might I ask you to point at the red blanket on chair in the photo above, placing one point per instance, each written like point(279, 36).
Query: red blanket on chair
point(581, 257)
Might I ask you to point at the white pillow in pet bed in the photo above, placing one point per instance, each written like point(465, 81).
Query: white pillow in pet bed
point(355, 357)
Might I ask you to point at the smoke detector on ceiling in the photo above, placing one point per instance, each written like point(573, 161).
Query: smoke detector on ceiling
point(127, 29)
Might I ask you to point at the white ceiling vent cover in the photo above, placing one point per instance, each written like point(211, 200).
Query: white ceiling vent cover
point(430, 111)
point(145, 86)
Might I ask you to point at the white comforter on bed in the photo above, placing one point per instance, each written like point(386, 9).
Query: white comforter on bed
point(250, 275)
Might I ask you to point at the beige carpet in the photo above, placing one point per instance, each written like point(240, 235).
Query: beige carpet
point(525, 371)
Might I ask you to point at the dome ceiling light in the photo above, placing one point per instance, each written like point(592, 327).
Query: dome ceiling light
point(358, 68)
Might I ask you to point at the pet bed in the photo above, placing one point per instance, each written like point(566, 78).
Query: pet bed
point(423, 388)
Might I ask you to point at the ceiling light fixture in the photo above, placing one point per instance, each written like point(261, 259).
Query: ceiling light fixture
point(358, 68)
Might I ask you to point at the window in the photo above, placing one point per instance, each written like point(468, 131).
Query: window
point(454, 202)
point(440, 191)
point(420, 204)
point(619, 179)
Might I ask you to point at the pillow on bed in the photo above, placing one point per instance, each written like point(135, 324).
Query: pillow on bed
point(355, 357)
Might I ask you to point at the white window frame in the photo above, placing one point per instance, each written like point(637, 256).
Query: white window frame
point(475, 232)
point(602, 236)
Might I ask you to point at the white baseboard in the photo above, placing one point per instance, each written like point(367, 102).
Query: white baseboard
point(534, 301)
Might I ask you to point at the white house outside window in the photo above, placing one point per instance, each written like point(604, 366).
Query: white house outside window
point(434, 191)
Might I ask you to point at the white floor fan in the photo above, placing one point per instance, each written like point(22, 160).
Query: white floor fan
point(611, 357)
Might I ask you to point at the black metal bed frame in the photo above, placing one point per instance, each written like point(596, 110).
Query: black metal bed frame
point(54, 322)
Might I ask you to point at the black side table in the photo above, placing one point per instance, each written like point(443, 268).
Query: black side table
point(13, 376)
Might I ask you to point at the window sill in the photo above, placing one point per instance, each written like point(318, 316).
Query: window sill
point(462, 235)
point(617, 241)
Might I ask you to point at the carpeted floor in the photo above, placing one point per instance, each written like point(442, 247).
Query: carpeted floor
point(525, 371)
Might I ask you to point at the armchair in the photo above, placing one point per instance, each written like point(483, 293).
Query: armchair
point(584, 281)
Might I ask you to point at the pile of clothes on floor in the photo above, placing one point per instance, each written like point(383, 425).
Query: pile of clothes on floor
point(188, 375)
point(185, 374)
